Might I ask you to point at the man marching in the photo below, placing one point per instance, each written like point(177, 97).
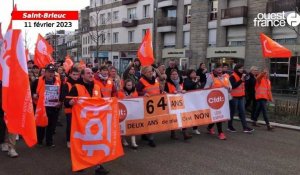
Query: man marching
point(86, 87)
point(71, 81)
point(47, 109)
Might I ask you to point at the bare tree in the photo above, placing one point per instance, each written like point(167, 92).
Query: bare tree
point(98, 24)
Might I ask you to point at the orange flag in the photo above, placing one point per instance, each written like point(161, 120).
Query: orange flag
point(145, 52)
point(10, 24)
point(27, 55)
point(82, 64)
point(16, 94)
point(43, 51)
point(95, 132)
point(68, 63)
point(1, 36)
point(272, 49)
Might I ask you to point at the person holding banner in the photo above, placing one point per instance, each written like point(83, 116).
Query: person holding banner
point(237, 80)
point(47, 93)
point(86, 87)
point(148, 86)
point(71, 81)
point(217, 80)
point(192, 82)
point(175, 85)
point(128, 91)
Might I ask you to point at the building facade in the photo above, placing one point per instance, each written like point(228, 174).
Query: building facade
point(118, 26)
point(223, 31)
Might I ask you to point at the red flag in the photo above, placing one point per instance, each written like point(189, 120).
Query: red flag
point(43, 51)
point(95, 132)
point(145, 52)
point(16, 101)
point(68, 63)
point(272, 49)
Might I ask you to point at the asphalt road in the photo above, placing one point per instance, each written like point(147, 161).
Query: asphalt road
point(262, 152)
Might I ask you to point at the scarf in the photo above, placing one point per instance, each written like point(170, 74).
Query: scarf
point(102, 77)
point(177, 85)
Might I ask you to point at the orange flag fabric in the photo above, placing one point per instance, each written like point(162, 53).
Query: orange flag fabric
point(95, 132)
point(16, 94)
point(68, 63)
point(10, 24)
point(43, 51)
point(82, 64)
point(145, 52)
point(272, 49)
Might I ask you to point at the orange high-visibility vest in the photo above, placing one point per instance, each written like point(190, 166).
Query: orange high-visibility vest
point(82, 91)
point(218, 83)
point(240, 90)
point(172, 88)
point(68, 110)
point(149, 88)
point(40, 114)
point(263, 89)
point(107, 89)
point(121, 94)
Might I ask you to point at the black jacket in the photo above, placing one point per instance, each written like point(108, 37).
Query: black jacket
point(189, 85)
point(74, 93)
point(250, 87)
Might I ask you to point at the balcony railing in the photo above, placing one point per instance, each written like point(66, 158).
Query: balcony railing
point(167, 21)
point(167, 3)
point(213, 16)
point(127, 2)
point(274, 6)
point(129, 23)
point(235, 12)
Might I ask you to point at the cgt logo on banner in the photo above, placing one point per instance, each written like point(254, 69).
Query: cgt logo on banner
point(95, 132)
point(277, 19)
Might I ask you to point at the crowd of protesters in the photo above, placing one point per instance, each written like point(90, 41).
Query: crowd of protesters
point(249, 91)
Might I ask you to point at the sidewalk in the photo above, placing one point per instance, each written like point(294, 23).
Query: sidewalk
point(292, 127)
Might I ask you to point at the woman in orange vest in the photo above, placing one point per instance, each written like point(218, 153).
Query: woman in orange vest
point(72, 79)
point(148, 86)
point(217, 80)
point(263, 94)
point(128, 91)
point(174, 85)
point(105, 83)
point(237, 80)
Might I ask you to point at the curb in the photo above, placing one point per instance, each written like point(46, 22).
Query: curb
point(292, 127)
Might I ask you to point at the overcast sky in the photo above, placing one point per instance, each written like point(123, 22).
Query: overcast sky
point(24, 5)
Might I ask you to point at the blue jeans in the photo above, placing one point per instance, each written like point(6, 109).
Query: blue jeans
point(238, 103)
point(261, 107)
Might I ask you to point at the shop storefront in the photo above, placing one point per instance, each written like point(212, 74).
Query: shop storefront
point(181, 56)
point(228, 55)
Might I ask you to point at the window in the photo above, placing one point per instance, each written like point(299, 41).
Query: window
point(116, 37)
point(131, 13)
point(102, 38)
point(171, 13)
point(109, 16)
point(102, 2)
point(146, 12)
point(144, 33)
point(108, 37)
point(116, 15)
point(186, 39)
point(130, 36)
point(169, 40)
point(102, 19)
